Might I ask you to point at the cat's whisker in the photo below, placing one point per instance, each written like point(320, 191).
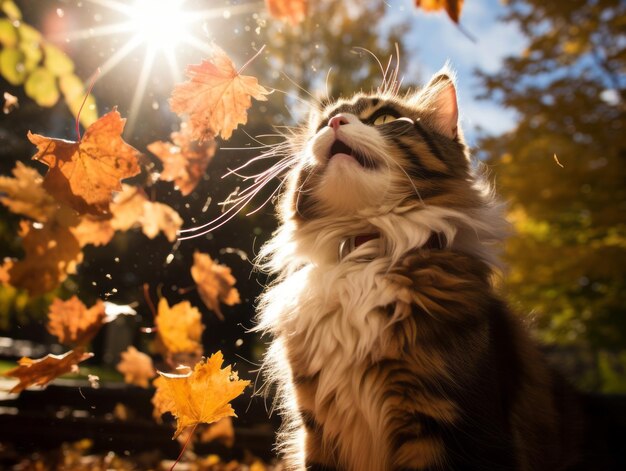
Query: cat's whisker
point(270, 197)
point(327, 80)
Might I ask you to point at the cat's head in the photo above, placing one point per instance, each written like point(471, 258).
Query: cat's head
point(379, 151)
point(384, 164)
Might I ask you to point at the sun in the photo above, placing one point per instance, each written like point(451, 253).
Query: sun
point(160, 24)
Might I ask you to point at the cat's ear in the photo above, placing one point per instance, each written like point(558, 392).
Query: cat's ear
point(439, 96)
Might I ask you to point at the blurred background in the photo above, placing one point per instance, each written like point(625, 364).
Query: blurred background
point(542, 96)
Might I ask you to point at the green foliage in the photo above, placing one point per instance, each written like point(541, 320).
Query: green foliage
point(45, 71)
point(568, 259)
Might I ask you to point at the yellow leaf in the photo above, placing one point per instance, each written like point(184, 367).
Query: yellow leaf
point(12, 66)
point(203, 396)
point(41, 86)
point(179, 327)
point(56, 61)
point(8, 35)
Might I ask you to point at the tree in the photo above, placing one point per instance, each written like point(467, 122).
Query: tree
point(563, 171)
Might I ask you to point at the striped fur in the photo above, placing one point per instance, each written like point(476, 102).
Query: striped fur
point(400, 357)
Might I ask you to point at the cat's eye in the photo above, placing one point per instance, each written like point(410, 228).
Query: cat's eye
point(384, 119)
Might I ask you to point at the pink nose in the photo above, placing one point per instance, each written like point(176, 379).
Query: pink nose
point(337, 121)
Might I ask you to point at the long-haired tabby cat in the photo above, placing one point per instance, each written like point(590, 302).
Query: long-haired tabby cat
point(390, 347)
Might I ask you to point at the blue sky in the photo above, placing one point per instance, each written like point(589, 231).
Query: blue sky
point(433, 39)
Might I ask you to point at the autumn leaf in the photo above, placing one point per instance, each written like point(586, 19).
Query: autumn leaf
point(72, 323)
point(159, 217)
point(179, 327)
point(132, 208)
point(203, 396)
point(216, 97)
point(452, 7)
point(293, 11)
point(44, 370)
point(136, 367)
point(52, 253)
point(84, 174)
point(184, 160)
point(215, 283)
point(25, 195)
point(92, 230)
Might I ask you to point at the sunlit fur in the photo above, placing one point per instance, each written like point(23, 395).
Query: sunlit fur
point(398, 356)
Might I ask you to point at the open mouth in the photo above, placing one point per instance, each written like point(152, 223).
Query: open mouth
point(340, 147)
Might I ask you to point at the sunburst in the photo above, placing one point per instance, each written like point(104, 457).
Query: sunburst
point(160, 27)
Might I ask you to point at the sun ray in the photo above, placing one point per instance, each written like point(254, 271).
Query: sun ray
point(140, 89)
point(119, 55)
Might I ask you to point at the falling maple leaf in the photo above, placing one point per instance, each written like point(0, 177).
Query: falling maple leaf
point(452, 7)
point(293, 11)
point(215, 283)
point(216, 97)
point(72, 323)
point(184, 160)
point(136, 367)
point(44, 370)
point(203, 396)
point(92, 230)
point(52, 253)
point(179, 328)
point(24, 194)
point(159, 217)
point(132, 208)
point(84, 174)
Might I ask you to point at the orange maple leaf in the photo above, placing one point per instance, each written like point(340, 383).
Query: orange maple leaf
point(93, 230)
point(215, 283)
point(24, 194)
point(293, 11)
point(452, 7)
point(84, 174)
point(203, 396)
point(132, 208)
point(44, 370)
point(216, 97)
point(179, 328)
point(52, 252)
point(184, 160)
point(73, 323)
point(136, 367)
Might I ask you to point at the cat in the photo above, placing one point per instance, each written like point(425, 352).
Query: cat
point(391, 349)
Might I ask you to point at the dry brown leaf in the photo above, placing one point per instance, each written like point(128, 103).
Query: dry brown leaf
point(202, 396)
point(132, 208)
point(136, 367)
point(184, 160)
point(293, 11)
point(44, 370)
point(52, 252)
point(84, 174)
point(72, 323)
point(159, 217)
point(93, 230)
point(215, 283)
point(127, 207)
point(25, 195)
point(10, 103)
point(216, 97)
point(179, 328)
point(452, 7)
